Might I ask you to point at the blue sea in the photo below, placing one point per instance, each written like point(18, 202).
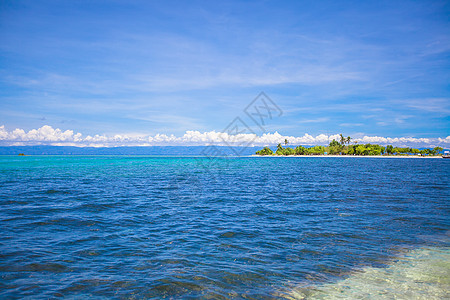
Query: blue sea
point(140, 227)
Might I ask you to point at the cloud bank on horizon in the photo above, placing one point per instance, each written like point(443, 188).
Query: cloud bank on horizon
point(47, 135)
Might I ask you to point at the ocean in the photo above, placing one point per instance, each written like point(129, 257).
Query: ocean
point(140, 227)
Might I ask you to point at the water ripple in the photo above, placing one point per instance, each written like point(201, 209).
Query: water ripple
point(149, 227)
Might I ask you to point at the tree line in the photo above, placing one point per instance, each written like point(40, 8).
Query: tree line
point(343, 147)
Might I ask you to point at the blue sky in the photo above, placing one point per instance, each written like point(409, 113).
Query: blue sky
point(134, 68)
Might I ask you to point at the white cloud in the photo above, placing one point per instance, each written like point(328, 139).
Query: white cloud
point(47, 135)
point(350, 124)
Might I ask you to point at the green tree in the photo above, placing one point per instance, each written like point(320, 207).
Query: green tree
point(415, 151)
point(265, 151)
point(361, 150)
point(351, 149)
point(334, 143)
point(425, 152)
point(389, 149)
point(316, 150)
point(433, 152)
point(300, 150)
point(289, 151)
point(280, 150)
point(286, 142)
point(438, 149)
point(335, 147)
point(342, 139)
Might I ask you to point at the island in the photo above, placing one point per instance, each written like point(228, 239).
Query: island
point(344, 147)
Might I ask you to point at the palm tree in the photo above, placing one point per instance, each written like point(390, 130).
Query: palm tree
point(342, 139)
point(348, 140)
point(438, 149)
point(286, 142)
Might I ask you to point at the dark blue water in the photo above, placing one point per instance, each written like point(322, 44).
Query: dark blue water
point(180, 227)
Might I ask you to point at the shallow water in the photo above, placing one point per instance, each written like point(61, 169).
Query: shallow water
point(422, 273)
point(153, 227)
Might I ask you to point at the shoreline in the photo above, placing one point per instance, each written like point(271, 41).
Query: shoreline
point(354, 156)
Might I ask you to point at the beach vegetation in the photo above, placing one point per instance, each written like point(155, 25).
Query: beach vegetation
point(343, 147)
point(438, 150)
point(265, 151)
point(389, 149)
point(300, 150)
point(316, 150)
point(289, 151)
point(280, 150)
point(335, 147)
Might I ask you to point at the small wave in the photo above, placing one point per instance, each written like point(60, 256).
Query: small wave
point(52, 191)
point(228, 234)
point(43, 267)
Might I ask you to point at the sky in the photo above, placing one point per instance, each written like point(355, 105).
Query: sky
point(180, 72)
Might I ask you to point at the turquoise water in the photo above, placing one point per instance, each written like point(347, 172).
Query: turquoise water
point(256, 228)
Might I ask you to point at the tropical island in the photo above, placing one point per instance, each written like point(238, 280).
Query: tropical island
point(344, 147)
